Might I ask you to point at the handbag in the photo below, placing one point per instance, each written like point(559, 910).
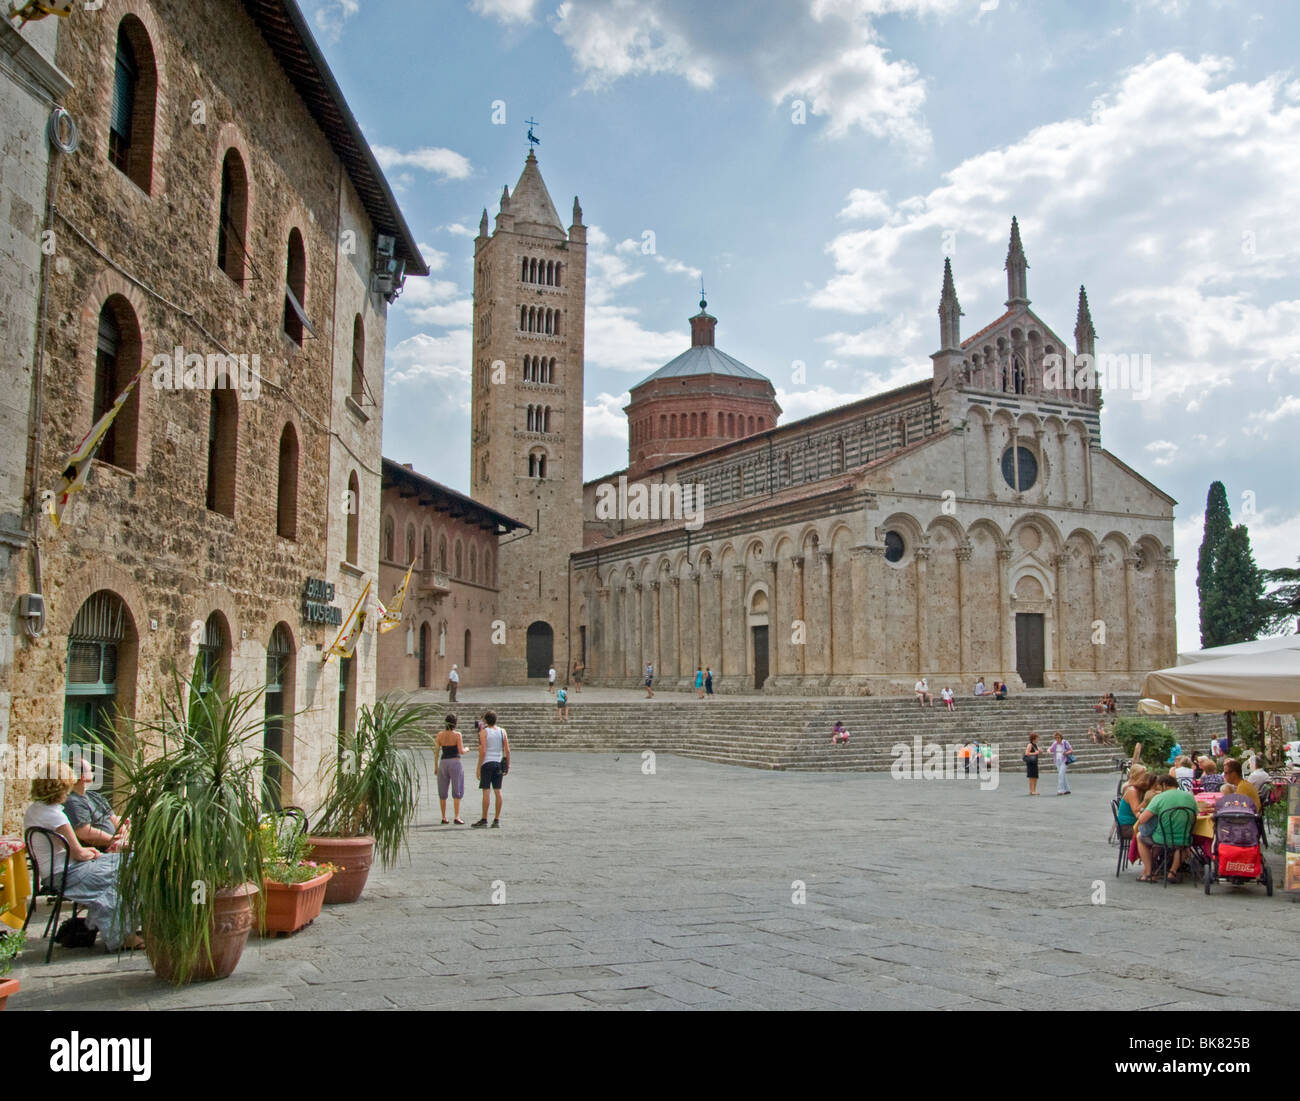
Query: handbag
point(1069, 758)
point(1029, 758)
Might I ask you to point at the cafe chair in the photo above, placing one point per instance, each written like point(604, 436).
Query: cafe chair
point(1124, 835)
point(1177, 822)
point(53, 842)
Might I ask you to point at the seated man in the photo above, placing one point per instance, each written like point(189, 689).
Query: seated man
point(1240, 785)
point(1109, 700)
point(91, 816)
point(1151, 833)
point(980, 690)
point(999, 690)
point(923, 694)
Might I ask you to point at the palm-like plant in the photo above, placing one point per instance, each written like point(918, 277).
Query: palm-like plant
point(374, 785)
point(193, 780)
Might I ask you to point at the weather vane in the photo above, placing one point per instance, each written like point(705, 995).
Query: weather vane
point(533, 139)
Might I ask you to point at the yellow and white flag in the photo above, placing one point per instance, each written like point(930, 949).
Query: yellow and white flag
point(348, 634)
point(77, 469)
point(391, 617)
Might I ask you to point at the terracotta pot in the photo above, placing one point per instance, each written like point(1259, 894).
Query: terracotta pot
point(232, 920)
point(290, 906)
point(351, 856)
point(7, 987)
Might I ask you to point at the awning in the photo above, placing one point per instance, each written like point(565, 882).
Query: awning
point(1263, 680)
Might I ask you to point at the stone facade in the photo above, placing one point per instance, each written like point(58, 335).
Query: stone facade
point(450, 610)
point(966, 525)
point(213, 506)
point(30, 87)
point(530, 278)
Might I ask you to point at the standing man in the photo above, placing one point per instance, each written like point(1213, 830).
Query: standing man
point(493, 764)
point(453, 682)
point(550, 680)
point(578, 670)
point(708, 683)
point(649, 680)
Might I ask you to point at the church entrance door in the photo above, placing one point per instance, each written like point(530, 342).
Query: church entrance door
point(1029, 648)
point(760, 655)
point(541, 648)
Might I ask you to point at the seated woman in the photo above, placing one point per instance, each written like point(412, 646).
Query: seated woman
point(839, 735)
point(1182, 770)
point(1150, 832)
point(999, 690)
point(92, 875)
point(91, 815)
point(980, 690)
point(1130, 803)
point(1211, 778)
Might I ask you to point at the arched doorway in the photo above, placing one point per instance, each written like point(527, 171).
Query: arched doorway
point(278, 721)
point(541, 648)
point(758, 609)
point(100, 679)
point(423, 655)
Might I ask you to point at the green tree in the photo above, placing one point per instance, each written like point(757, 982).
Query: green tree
point(1235, 610)
point(1282, 605)
point(1218, 522)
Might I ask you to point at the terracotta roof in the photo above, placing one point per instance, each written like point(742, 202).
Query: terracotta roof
point(987, 329)
point(285, 29)
point(448, 500)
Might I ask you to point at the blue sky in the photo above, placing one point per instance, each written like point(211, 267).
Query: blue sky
point(1150, 148)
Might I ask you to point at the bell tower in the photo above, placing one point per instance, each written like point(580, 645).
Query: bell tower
point(530, 286)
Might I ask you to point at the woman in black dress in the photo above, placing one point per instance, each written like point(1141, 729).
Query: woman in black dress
point(1031, 762)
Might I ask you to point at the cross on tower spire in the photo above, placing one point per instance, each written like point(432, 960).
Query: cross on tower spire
point(533, 139)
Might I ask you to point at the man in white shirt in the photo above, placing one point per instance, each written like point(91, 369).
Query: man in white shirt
point(979, 687)
point(453, 682)
point(923, 695)
point(550, 680)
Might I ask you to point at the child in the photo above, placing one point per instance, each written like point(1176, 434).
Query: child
point(562, 704)
point(839, 736)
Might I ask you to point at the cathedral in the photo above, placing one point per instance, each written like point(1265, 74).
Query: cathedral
point(969, 524)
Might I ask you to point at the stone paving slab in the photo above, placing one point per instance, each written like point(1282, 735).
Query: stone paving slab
point(705, 886)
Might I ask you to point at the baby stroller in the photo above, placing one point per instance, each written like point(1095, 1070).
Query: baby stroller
point(1238, 854)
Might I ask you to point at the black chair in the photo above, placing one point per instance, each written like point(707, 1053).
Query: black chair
point(1174, 823)
point(43, 889)
point(1124, 835)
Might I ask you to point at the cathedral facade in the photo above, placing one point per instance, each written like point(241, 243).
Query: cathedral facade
point(966, 525)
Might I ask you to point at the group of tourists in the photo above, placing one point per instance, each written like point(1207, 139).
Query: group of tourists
point(493, 764)
point(1062, 757)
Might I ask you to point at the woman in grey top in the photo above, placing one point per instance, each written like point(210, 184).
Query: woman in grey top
point(493, 764)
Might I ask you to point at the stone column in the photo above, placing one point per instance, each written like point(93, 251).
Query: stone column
point(863, 560)
point(798, 654)
point(963, 554)
point(1006, 624)
point(676, 589)
point(1097, 560)
point(604, 652)
point(1059, 656)
point(739, 663)
point(696, 615)
point(723, 664)
point(988, 460)
point(923, 655)
point(1130, 567)
point(1168, 628)
point(1065, 468)
point(776, 609)
point(826, 611)
point(636, 620)
point(656, 628)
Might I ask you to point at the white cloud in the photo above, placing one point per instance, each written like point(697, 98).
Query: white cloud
point(505, 11)
point(1162, 452)
point(884, 339)
point(458, 230)
point(1288, 407)
point(796, 404)
point(442, 358)
point(435, 258)
point(603, 417)
point(865, 205)
point(623, 38)
point(332, 14)
point(446, 163)
point(436, 302)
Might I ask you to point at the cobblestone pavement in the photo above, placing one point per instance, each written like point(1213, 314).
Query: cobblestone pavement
point(679, 890)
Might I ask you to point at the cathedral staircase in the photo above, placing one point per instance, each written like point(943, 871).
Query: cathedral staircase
point(795, 735)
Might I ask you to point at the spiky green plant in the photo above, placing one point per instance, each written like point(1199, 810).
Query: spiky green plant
point(374, 785)
point(192, 778)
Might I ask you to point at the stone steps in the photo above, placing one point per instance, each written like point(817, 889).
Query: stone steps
point(795, 734)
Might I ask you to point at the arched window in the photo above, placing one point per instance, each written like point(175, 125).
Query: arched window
point(100, 679)
point(556, 326)
point(541, 466)
point(473, 563)
point(550, 371)
point(523, 272)
point(546, 419)
point(358, 359)
point(214, 655)
point(751, 426)
point(559, 268)
point(354, 518)
point(550, 273)
point(523, 318)
point(286, 500)
point(459, 559)
point(424, 656)
point(532, 271)
point(526, 368)
point(529, 419)
point(731, 424)
point(117, 360)
point(663, 425)
point(223, 432)
point(442, 553)
point(389, 541)
point(489, 578)
point(410, 544)
point(135, 94)
point(426, 550)
point(762, 424)
point(902, 432)
point(466, 662)
point(278, 702)
point(295, 289)
point(233, 213)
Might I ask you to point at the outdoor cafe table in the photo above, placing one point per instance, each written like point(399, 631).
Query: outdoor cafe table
point(15, 883)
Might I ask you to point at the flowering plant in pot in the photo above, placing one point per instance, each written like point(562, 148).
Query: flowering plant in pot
point(294, 885)
point(373, 791)
point(11, 943)
point(193, 779)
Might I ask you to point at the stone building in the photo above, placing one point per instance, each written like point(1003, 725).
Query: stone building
point(530, 280)
point(966, 524)
point(224, 223)
point(450, 608)
point(30, 89)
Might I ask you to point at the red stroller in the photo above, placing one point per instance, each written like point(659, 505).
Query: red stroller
point(1238, 854)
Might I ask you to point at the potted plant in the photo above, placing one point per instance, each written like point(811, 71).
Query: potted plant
point(193, 781)
point(294, 886)
point(11, 943)
point(373, 791)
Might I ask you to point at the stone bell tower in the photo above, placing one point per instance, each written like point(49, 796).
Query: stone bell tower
point(530, 288)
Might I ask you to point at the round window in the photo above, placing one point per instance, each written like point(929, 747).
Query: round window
point(1024, 459)
point(894, 546)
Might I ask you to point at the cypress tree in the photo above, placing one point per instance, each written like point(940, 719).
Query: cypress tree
point(1235, 609)
point(1218, 522)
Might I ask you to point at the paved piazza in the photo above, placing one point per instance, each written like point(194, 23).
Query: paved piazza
point(674, 891)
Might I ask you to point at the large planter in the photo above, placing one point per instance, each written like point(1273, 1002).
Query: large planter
point(7, 987)
point(232, 920)
point(351, 857)
point(290, 906)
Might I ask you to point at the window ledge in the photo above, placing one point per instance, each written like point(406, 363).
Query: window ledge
point(351, 403)
point(351, 570)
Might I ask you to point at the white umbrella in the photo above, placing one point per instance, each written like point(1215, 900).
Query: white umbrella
point(1262, 680)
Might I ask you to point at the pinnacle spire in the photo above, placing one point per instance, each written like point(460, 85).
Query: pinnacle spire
point(1016, 267)
point(483, 224)
point(949, 310)
point(1084, 333)
point(577, 212)
point(505, 198)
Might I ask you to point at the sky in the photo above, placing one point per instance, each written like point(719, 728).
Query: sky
point(813, 161)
